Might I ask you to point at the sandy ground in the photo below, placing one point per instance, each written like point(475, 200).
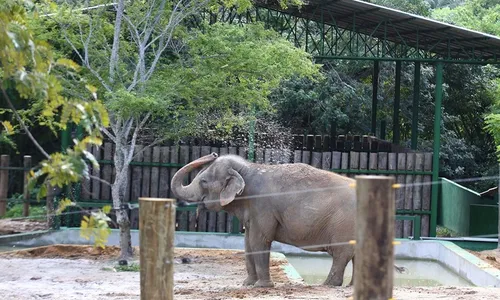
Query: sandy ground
point(81, 272)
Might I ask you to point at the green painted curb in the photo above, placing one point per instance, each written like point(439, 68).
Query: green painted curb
point(290, 272)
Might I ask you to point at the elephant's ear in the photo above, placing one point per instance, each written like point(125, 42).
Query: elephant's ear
point(234, 186)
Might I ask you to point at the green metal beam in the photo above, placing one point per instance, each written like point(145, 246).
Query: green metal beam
point(415, 106)
point(437, 145)
point(411, 59)
point(376, 71)
point(397, 100)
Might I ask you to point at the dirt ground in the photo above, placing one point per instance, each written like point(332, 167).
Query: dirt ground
point(490, 256)
point(81, 272)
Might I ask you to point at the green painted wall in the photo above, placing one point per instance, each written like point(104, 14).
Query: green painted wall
point(454, 206)
point(483, 219)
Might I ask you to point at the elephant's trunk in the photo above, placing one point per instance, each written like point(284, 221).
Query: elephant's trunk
point(187, 192)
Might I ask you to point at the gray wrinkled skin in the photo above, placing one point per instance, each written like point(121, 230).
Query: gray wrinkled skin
point(294, 204)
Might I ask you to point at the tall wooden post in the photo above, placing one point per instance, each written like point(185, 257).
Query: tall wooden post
point(26, 194)
point(374, 271)
point(156, 233)
point(4, 183)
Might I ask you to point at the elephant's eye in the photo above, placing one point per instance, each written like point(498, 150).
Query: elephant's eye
point(203, 183)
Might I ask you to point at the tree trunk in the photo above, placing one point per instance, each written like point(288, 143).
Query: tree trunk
point(118, 194)
point(498, 191)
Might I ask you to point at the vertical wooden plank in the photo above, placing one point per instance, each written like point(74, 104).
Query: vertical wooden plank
point(297, 156)
point(174, 159)
point(345, 163)
point(382, 161)
point(400, 193)
point(26, 192)
point(373, 161)
point(316, 159)
point(336, 160)
point(410, 166)
point(155, 173)
point(363, 160)
point(306, 157)
point(393, 166)
point(417, 189)
point(135, 191)
point(146, 173)
point(426, 193)
point(326, 160)
point(212, 216)
point(4, 183)
point(354, 162)
point(183, 216)
point(96, 184)
point(164, 188)
point(222, 216)
point(267, 156)
point(107, 171)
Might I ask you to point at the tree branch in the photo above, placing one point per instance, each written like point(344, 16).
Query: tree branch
point(18, 117)
point(116, 40)
point(134, 136)
point(87, 65)
point(111, 136)
point(99, 179)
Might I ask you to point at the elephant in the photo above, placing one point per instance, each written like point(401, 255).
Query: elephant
point(295, 204)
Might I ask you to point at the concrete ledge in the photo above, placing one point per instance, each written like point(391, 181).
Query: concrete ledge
point(458, 260)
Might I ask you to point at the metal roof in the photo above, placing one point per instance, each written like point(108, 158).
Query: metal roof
point(446, 40)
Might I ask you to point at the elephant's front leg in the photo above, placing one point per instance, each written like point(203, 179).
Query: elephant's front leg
point(260, 254)
point(249, 261)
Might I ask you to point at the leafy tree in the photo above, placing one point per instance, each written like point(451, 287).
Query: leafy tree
point(159, 74)
point(30, 72)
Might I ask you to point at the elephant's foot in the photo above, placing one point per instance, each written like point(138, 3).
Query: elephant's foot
point(264, 283)
point(250, 280)
point(333, 281)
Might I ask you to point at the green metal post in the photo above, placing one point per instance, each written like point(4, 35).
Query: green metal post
point(397, 100)
point(376, 71)
point(437, 145)
point(416, 98)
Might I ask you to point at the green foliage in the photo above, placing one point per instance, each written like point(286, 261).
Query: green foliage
point(36, 212)
point(480, 15)
point(418, 7)
point(30, 69)
point(230, 70)
point(96, 226)
point(133, 267)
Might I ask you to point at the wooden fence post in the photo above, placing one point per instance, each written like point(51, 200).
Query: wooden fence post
point(4, 184)
point(156, 234)
point(26, 193)
point(374, 271)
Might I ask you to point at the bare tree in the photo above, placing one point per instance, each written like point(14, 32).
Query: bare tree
point(152, 31)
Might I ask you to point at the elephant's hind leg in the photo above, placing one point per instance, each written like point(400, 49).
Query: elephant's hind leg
point(341, 256)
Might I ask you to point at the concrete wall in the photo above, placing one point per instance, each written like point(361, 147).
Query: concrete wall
point(454, 206)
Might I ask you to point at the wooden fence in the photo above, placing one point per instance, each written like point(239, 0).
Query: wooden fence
point(151, 172)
